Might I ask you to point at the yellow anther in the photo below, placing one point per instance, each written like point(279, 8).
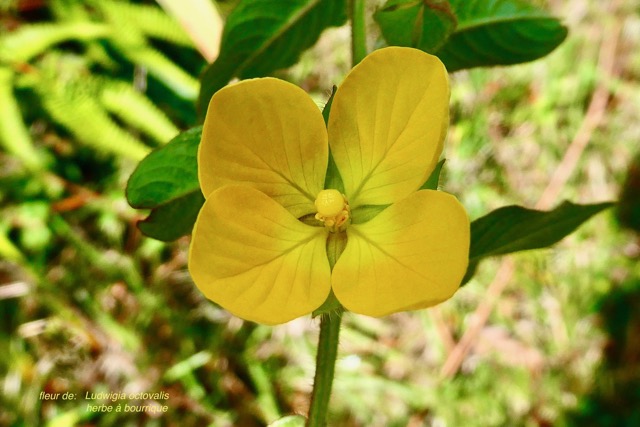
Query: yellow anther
point(333, 209)
point(329, 202)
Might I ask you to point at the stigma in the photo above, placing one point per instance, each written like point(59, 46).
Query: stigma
point(333, 210)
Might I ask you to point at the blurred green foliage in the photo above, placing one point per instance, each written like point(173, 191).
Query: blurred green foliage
point(629, 205)
point(614, 399)
point(76, 65)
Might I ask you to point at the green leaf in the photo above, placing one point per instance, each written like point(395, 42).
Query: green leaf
point(166, 181)
point(261, 36)
point(471, 271)
point(423, 24)
point(514, 228)
point(174, 219)
point(166, 174)
point(499, 32)
point(333, 178)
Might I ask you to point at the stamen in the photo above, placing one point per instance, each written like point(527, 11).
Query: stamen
point(333, 210)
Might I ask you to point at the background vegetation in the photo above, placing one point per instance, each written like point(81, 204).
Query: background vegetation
point(88, 304)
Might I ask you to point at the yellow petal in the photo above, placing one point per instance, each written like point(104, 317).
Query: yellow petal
point(267, 134)
point(252, 257)
point(387, 124)
point(414, 254)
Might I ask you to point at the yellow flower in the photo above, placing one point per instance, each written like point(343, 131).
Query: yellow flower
point(262, 166)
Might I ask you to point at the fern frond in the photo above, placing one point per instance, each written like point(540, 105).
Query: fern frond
point(174, 77)
point(88, 122)
point(14, 135)
point(69, 11)
point(151, 20)
point(75, 11)
point(74, 106)
point(137, 110)
point(33, 39)
point(132, 43)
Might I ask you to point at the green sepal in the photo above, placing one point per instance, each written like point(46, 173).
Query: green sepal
point(310, 219)
point(329, 306)
point(336, 242)
point(434, 179)
point(327, 107)
point(332, 178)
point(423, 24)
point(365, 213)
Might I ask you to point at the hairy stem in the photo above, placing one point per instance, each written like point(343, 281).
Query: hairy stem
point(325, 367)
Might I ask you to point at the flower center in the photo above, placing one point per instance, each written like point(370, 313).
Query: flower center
point(333, 209)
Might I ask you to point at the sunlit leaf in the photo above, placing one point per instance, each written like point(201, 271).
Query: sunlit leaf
point(499, 32)
point(514, 228)
point(261, 36)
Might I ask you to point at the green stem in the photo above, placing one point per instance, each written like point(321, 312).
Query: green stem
point(330, 322)
point(325, 367)
point(358, 31)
